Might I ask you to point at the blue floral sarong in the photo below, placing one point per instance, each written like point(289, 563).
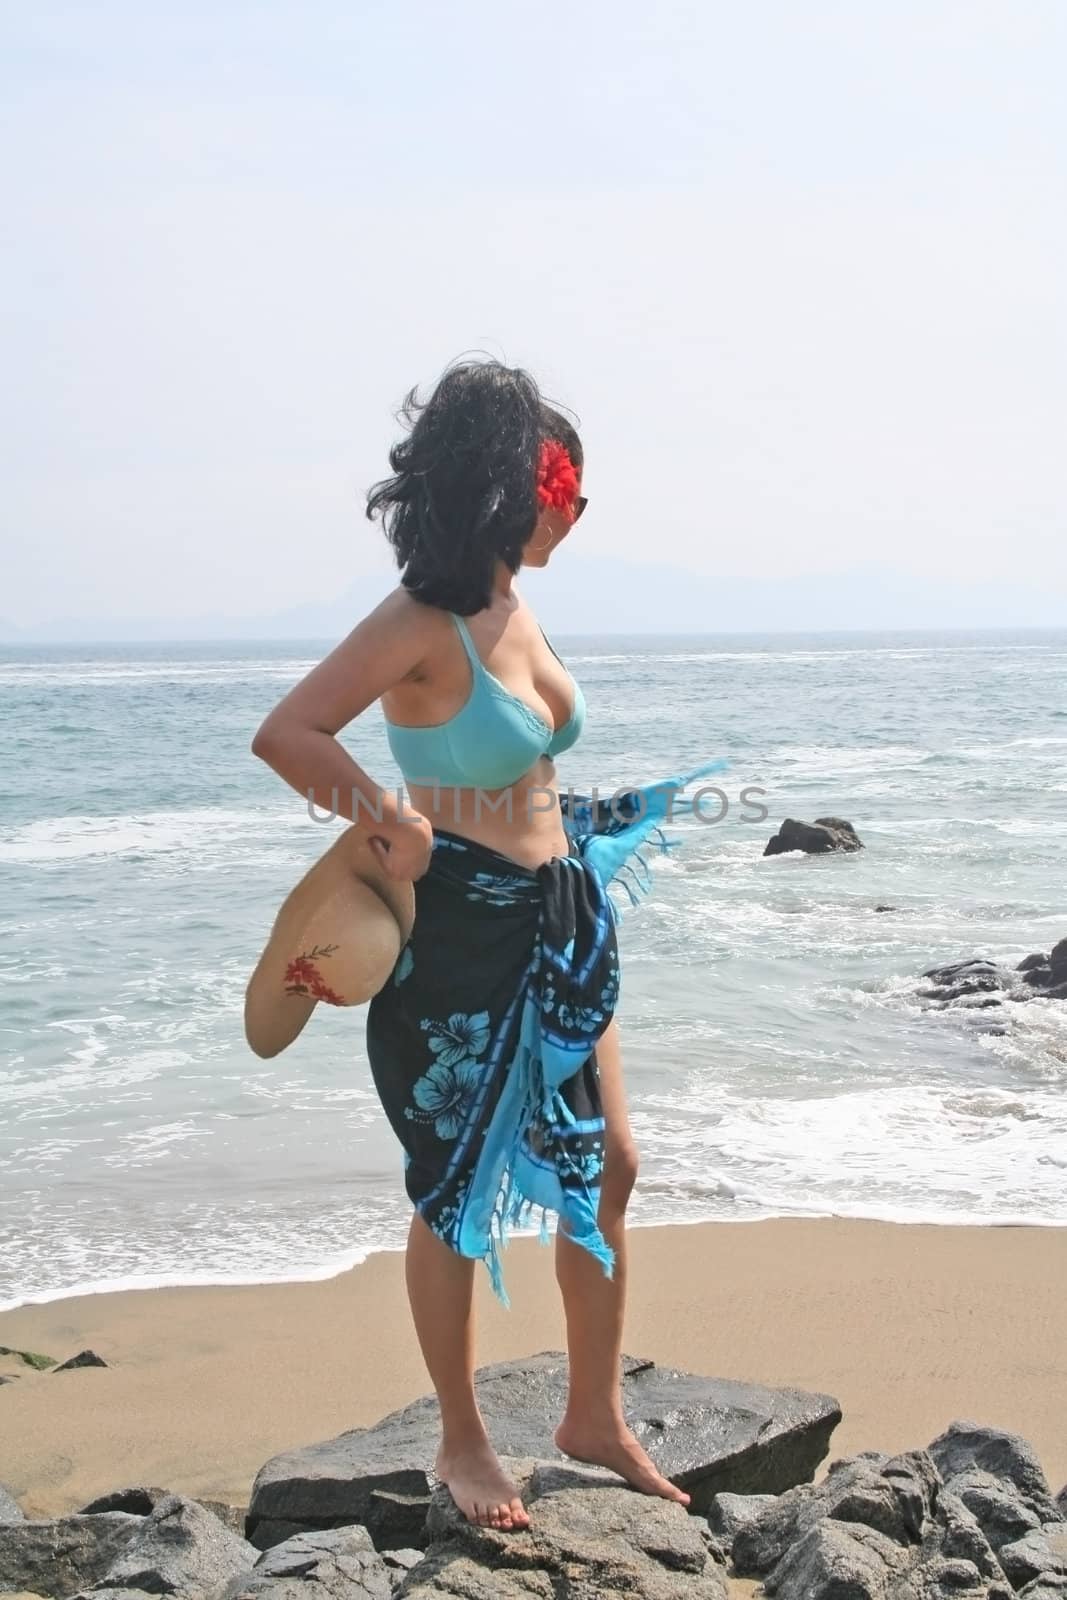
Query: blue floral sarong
point(482, 1044)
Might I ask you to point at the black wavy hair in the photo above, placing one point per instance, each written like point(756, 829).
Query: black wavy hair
point(463, 494)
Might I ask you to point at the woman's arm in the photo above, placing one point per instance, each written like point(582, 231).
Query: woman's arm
point(298, 738)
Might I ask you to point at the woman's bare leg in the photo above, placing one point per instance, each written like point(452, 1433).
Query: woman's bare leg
point(440, 1288)
point(594, 1427)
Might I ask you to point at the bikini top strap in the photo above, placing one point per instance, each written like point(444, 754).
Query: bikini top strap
point(468, 643)
point(478, 666)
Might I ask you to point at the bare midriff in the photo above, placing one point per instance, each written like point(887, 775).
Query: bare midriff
point(522, 822)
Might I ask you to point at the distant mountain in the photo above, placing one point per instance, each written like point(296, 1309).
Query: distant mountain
point(309, 621)
point(580, 595)
point(584, 595)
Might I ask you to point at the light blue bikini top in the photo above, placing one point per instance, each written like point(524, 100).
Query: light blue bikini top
point(492, 741)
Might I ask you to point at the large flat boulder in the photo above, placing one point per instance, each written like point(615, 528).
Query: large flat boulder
point(706, 1434)
point(588, 1537)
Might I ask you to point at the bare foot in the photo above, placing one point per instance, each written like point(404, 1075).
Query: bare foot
point(611, 1444)
point(480, 1487)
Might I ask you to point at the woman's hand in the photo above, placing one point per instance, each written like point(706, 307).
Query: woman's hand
point(404, 846)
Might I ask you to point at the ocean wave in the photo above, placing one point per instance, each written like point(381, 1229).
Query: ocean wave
point(141, 833)
point(84, 674)
point(888, 1151)
point(777, 1057)
point(294, 1270)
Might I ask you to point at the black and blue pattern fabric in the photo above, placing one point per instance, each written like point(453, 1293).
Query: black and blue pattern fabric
point(483, 1043)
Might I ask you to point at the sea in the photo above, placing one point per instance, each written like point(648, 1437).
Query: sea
point(779, 1057)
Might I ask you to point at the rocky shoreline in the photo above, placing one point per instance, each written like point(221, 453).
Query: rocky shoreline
point(358, 1517)
point(981, 985)
point(975, 984)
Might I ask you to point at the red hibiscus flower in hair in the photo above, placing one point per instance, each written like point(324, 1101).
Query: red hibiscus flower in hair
point(557, 478)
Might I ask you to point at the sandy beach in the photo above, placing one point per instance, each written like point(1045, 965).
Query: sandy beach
point(909, 1326)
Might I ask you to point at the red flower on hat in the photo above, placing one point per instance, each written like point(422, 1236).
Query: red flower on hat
point(557, 477)
point(303, 977)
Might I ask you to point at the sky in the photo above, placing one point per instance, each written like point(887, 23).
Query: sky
point(798, 268)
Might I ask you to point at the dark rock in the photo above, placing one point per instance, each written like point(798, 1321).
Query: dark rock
point(1005, 1456)
point(466, 1579)
point(275, 1530)
point(399, 1562)
point(954, 1534)
point(232, 1517)
point(589, 1537)
point(834, 1561)
point(973, 984)
point(1028, 963)
point(1039, 1554)
point(1061, 1502)
point(892, 1495)
point(1058, 959)
point(839, 825)
point(914, 1483)
point(100, 1593)
point(717, 1548)
point(949, 1578)
point(1044, 1589)
point(139, 1502)
point(976, 983)
point(706, 1434)
point(336, 1564)
point(761, 1542)
point(886, 908)
point(84, 1358)
point(179, 1549)
point(818, 838)
point(995, 1506)
point(969, 976)
point(10, 1510)
point(729, 1513)
point(402, 1560)
point(874, 1529)
point(64, 1554)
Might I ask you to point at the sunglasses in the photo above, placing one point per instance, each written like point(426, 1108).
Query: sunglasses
point(579, 506)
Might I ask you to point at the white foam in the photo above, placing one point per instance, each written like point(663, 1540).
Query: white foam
point(141, 833)
point(912, 1152)
point(177, 1279)
point(81, 674)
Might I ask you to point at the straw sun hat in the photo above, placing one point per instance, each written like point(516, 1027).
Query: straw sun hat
point(336, 939)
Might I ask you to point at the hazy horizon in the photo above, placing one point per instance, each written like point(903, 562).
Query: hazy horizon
point(650, 601)
point(799, 273)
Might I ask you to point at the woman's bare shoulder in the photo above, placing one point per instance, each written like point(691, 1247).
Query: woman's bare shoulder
point(401, 612)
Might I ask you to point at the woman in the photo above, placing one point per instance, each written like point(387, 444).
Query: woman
point(492, 1045)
